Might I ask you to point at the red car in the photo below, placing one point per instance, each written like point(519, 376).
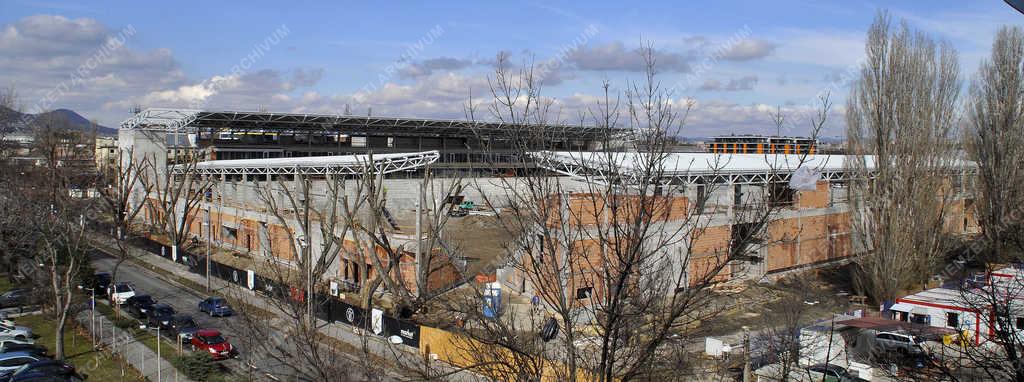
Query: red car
point(210, 340)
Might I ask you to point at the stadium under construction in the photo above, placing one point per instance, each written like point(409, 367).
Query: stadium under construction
point(242, 150)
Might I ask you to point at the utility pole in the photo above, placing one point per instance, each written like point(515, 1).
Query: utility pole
point(746, 354)
point(159, 358)
point(92, 316)
point(419, 233)
point(209, 237)
point(306, 255)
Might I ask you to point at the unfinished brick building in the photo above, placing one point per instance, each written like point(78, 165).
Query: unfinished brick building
point(808, 228)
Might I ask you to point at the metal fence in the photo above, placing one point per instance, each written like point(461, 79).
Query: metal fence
point(327, 307)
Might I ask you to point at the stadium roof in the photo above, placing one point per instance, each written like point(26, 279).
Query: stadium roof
point(318, 165)
point(174, 120)
point(695, 168)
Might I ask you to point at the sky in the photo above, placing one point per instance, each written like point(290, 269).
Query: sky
point(735, 61)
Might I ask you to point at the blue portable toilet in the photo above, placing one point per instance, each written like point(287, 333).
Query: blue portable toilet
point(492, 300)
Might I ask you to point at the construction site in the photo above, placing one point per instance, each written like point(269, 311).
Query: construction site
point(244, 153)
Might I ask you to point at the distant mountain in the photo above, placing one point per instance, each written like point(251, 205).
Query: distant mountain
point(14, 120)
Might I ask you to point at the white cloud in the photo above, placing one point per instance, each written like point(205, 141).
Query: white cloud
point(615, 56)
point(244, 91)
point(54, 61)
point(749, 49)
point(734, 84)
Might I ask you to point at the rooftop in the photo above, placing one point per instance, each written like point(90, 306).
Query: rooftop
point(696, 167)
point(322, 165)
point(207, 120)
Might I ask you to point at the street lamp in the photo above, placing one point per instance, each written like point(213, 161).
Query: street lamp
point(159, 377)
point(92, 315)
point(304, 245)
point(209, 236)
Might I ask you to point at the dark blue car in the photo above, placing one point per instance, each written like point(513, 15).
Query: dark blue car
point(215, 306)
point(45, 370)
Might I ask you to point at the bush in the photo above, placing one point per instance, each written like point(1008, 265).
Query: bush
point(198, 366)
point(124, 322)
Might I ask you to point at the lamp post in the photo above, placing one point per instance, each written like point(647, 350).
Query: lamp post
point(159, 376)
point(304, 245)
point(209, 236)
point(746, 354)
point(92, 316)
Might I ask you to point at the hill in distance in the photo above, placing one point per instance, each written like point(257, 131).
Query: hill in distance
point(75, 121)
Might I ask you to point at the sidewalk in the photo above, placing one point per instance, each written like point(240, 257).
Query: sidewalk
point(140, 356)
point(377, 346)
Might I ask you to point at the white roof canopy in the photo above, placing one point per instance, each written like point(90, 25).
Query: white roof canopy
point(694, 168)
point(320, 165)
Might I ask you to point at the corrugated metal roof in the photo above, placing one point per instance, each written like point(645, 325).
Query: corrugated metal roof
point(680, 163)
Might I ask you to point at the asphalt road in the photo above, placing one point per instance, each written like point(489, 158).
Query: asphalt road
point(186, 301)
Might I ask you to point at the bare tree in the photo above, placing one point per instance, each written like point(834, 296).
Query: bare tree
point(993, 138)
point(318, 224)
point(902, 113)
point(620, 259)
point(9, 108)
point(121, 185)
point(177, 192)
point(15, 239)
point(56, 204)
point(995, 141)
point(429, 250)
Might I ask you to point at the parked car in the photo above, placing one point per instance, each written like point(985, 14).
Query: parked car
point(216, 306)
point(138, 305)
point(159, 315)
point(9, 331)
point(182, 326)
point(98, 283)
point(16, 346)
point(211, 341)
point(46, 370)
point(902, 343)
point(14, 298)
point(27, 341)
point(120, 292)
point(15, 360)
point(835, 373)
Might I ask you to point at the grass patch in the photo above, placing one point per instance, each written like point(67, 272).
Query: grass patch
point(144, 336)
point(99, 365)
point(179, 356)
point(5, 284)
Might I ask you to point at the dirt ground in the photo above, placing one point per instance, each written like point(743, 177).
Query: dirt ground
point(822, 293)
point(482, 239)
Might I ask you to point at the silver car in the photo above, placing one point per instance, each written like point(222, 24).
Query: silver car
point(20, 333)
point(901, 343)
point(9, 362)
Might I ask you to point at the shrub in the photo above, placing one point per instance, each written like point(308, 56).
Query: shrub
point(198, 366)
point(124, 322)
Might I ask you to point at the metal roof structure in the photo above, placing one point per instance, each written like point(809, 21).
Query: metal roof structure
point(317, 165)
point(191, 120)
point(694, 168)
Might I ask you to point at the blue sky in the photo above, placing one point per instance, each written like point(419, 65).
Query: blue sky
point(421, 59)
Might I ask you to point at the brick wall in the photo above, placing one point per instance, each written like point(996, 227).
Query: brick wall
point(801, 241)
point(442, 273)
point(712, 240)
point(589, 209)
point(280, 244)
point(818, 198)
point(960, 217)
